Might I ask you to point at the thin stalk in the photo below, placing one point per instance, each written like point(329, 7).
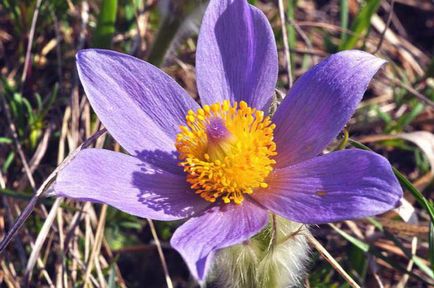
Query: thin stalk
point(317, 245)
point(160, 253)
point(285, 42)
point(344, 20)
point(389, 20)
point(344, 141)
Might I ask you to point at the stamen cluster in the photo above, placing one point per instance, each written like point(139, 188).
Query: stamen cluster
point(226, 150)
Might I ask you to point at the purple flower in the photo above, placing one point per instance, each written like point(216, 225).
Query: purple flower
point(227, 164)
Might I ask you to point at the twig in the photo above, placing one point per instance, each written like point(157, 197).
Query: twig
point(18, 223)
point(97, 245)
point(9, 278)
point(29, 44)
point(313, 52)
point(37, 156)
point(374, 270)
point(40, 241)
point(120, 280)
point(75, 98)
point(60, 257)
point(59, 264)
point(58, 49)
point(305, 39)
point(160, 253)
point(285, 42)
point(413, 91)
point(403, 282)
point(82, 267)
point(332, 261)
point(389, 19)
point(73, 225)
point(17, 142)
point(10, 218)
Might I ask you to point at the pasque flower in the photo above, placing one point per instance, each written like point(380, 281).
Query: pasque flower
point(227, 164)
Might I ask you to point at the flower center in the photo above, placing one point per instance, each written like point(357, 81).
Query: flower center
point(226, 150)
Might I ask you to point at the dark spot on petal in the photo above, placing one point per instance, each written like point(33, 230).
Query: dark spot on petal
point(321, 193)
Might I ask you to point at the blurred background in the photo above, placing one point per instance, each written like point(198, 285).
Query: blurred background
point(44, 116)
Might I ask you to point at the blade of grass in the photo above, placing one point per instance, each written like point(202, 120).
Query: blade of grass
point(14, 194)
point(8, 161)
point(407, 118)
point(344, 20)
point(356, 242)
point(105, 27)
point(5, 140)
point(389, 20)
point(99, 235)
point(160, 253)
point(42, 190)
point(323, 251)
point(361, 24)
point(431, 244)
point(292, 40)
point(28, 59)
point(285, 41)
point(40, 241)
point(367, 248)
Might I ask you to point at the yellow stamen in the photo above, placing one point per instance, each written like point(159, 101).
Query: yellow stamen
point(226, 150)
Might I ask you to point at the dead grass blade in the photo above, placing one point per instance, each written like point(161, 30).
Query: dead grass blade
point(29, 208)
point(321, 249)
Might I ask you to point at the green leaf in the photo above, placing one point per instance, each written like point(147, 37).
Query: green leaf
point(407, 118)
point(5, 140)
point(15, 194)
point(361, 24)
point(105, 27)
point(419, 263)
point(8, 161)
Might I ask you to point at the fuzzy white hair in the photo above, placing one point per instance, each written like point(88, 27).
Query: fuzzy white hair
point(276, 257)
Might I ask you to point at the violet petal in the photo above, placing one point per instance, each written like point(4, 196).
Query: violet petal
point(320, 104)
point(141, 106)
point(128, 184)
point(236, 55)
point(342, 185)
point(218, 227)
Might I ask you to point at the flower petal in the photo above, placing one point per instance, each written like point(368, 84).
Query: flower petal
point(141, 106)
point(128, 184)
point(218, 227)
point(320, 104)
point(338, 186)
point(236, 55)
